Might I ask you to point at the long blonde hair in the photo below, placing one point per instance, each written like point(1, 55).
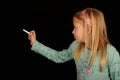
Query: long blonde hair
point(97, 39)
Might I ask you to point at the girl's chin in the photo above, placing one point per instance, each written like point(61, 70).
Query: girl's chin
point(79, 40)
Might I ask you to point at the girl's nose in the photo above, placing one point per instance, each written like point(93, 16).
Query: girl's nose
point(73, 32)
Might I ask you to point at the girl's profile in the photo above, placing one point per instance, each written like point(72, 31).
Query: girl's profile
point(94, 55)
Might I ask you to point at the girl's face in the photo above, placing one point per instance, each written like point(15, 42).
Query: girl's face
point(78, 30)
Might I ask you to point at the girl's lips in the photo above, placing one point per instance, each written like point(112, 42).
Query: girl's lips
point(74, 36)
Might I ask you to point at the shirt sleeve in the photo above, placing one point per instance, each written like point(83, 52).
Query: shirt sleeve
point(54, 55)
point(114, 63)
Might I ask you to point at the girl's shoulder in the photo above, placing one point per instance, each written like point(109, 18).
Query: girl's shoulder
point(111, 48)
point(113, 54)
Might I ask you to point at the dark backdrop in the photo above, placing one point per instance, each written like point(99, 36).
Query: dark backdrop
point(52, 21)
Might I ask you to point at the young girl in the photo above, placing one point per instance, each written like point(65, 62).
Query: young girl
point(95, 57)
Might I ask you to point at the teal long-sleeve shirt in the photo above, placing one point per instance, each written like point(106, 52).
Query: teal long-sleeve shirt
point(111, 70)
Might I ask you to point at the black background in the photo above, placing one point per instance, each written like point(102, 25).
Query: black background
point(52, 21)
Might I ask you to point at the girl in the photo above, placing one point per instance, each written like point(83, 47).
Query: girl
point(95, 57)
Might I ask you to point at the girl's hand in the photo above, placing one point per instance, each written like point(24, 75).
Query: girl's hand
point(32, 37)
